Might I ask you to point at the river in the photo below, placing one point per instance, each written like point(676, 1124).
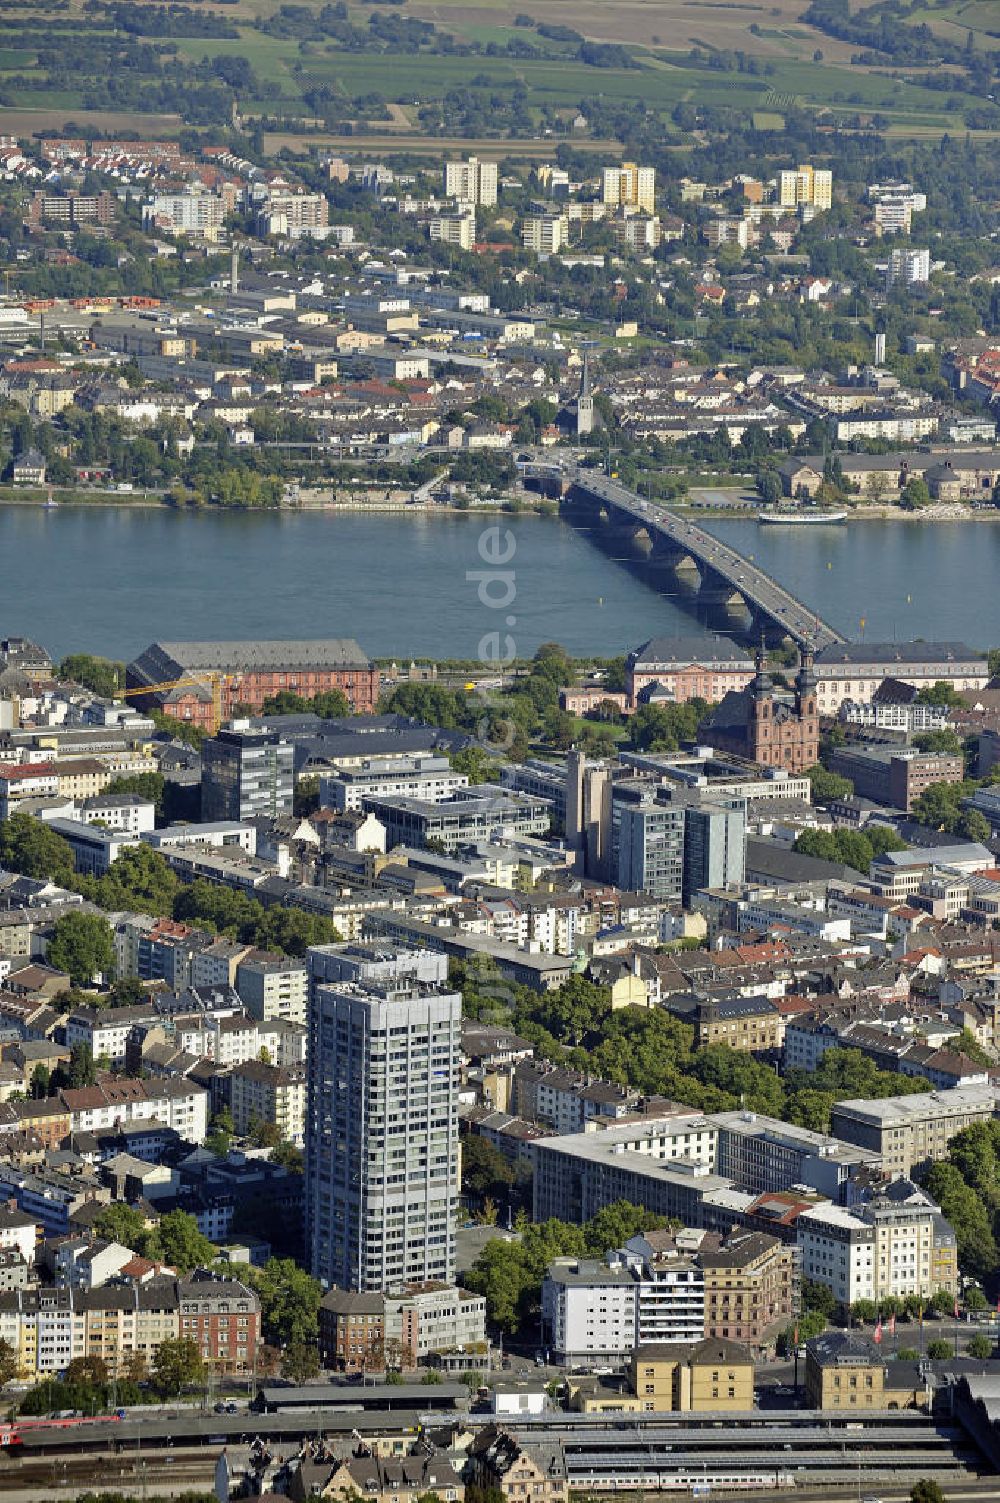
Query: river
point(112, 579)
point(888, 580)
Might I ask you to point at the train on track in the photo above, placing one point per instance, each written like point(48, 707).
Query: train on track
point(12, 1432)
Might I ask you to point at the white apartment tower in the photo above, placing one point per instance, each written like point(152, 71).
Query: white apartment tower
point(545, 234)
point(382, 1156)
point(909, 267)
point(471, 182)
point(454, 229)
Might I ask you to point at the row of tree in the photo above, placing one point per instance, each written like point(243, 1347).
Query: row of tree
point(653, 1052)
point(141, 880)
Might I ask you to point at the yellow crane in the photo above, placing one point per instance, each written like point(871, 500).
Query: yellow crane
point(212, 680)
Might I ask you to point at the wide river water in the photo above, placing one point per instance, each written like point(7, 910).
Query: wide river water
point(112, 579)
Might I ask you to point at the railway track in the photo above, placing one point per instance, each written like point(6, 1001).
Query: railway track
point(104, 1468)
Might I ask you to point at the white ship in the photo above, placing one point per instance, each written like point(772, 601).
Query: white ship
point(799, 518)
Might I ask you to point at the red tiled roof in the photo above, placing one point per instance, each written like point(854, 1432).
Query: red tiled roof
point(14, 772)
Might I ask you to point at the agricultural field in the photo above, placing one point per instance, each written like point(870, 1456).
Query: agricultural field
point(674, 24)
point(962, 20)
point(410, 79)
point(793, 66)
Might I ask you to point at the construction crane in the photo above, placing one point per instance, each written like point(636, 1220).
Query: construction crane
point(214, 681)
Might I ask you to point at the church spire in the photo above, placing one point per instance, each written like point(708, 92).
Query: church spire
point(762, 684)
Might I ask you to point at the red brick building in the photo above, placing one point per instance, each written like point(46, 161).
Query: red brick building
point(222, 1316)
point(352, 1331)
point(200, 682)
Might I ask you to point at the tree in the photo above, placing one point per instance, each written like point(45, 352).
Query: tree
point(91, 1370)
point(811, 1323)
point(828, 785)
point(177, 1241)
point(8, 1363)
point(102, 676)
point(980, 1347)
point(864, 1312)
point(856, 848)
point(122, 1224)
point(819, 1297)
point(305, 799)
point(940, 693)
point(939, 741)
point(970, 1218)
point(485, 1170)
point(939, 1350)
point(769, 487)
point(915, 495)
point(264, 1134)
point(128, 991)
point(300, 1361)
point(29, 847)
point(177, 1365)
point(478, 765)
point(975, 826)
point(289, 1302)
point(81, 1070)
point(664, 727)
point(220, 1133)
point(975, 1300)
point(926, 1491)
point(82, 945)
point(966, 1043)
point(940, 806)
point(617, 1224)
point(289, 1157)
point(41, 1081)
point(140, 878)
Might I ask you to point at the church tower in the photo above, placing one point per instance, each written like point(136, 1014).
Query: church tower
point(761, 726)
point(807, 710)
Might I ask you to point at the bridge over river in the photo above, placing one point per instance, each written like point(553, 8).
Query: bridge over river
point(708, 577)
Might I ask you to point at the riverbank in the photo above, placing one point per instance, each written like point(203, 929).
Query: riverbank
point(32, 499)
point(741, 503)
point(938, 511)
point(355, 504)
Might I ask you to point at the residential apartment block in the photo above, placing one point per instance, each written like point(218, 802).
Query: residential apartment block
point(471, 182)
point(896, 1243)
point(382, 1158)
point(629, 186)
point(48, 1328)
point(911, 1132)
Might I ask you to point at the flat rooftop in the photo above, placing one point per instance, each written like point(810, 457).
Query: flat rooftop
point(903, 1110)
